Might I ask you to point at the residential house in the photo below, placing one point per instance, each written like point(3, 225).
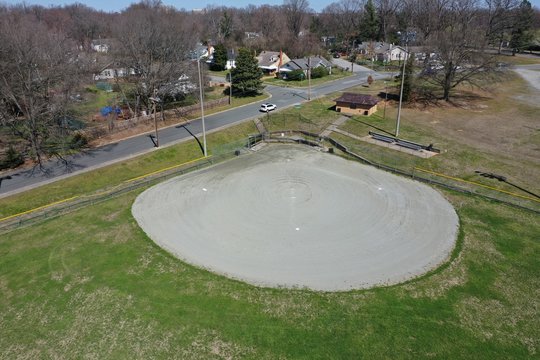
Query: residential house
point(380, 51)
point(205, 52)
point(356, 104)
point(420, 54)
point(252, 35)
point(303, 64)
point(101, 45)
point(112, 70)
point(328, 40)
point(271, 61)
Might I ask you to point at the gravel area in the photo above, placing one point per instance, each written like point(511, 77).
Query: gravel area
point(291, 216)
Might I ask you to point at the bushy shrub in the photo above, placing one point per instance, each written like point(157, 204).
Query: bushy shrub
point(318, 72)
point(12, 159)
point(295, 75)
point(78, 141)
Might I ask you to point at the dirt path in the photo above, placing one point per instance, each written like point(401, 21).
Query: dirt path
point(531, 73)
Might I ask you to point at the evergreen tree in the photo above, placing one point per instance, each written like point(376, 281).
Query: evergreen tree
point(521, 31)
point(370, 22)
point(220, 58)
point(247, 74)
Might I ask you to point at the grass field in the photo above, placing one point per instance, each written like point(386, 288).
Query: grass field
point(90, 284)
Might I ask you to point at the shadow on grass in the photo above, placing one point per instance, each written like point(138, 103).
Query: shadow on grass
point(371, 125)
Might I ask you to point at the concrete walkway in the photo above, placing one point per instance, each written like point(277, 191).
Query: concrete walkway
point(333, 127)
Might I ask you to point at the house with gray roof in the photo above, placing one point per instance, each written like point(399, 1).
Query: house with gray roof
point(305, 63)
point(381, 51)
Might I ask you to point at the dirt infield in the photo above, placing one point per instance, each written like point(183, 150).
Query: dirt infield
point(292, 216)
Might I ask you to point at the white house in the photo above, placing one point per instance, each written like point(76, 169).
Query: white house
point(101, 45)
point(383, 51)
point(111, 71)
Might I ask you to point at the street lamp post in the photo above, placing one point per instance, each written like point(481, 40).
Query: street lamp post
point(309, 78)
point(385, 99)
point(155, 100)
point(202, 106)
point(406, 36)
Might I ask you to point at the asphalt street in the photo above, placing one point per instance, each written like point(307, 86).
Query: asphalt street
point(124, 149)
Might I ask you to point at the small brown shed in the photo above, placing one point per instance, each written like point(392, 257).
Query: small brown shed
point(356, 104)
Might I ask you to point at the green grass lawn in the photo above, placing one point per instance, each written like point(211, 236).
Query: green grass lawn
point(94, 100)
point(91, 284)
point(314, 116)
point(113, 175)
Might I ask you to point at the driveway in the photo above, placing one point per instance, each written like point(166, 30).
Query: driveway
point(345, 64)
point(531, 73)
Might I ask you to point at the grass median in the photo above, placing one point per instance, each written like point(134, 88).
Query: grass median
point(113, 175)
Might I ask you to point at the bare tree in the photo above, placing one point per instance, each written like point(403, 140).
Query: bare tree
point(295, 13)
point(154, 47)
point(38, 72)
point(428, 16)
point(344, 18)
point(266, 19)
point(459, 42)
point(500, 19)
point(387, 10)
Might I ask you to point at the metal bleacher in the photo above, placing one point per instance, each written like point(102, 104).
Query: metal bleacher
point(403, 143)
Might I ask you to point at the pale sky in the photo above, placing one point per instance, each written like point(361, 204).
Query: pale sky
point(117, 5)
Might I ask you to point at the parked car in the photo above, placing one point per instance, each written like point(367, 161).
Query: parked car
point(268, 107)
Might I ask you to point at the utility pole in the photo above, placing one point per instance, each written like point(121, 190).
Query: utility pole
point(406, 36)
point(230, 78)
point(385, 99)
point(309, 78)
point(154, 100)
point(400, 96)
point(230, 87)
point(202, 106)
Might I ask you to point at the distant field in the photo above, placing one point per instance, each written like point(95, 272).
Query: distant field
point(91, 284)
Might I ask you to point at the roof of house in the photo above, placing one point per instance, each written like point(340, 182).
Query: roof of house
point(302, 64)
point(268, 58)
point(358, 99)
point(379, 47)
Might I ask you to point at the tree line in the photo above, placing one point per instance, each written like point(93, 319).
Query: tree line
point(46, 53)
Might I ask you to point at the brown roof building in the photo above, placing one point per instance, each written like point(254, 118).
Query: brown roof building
point(356, 104)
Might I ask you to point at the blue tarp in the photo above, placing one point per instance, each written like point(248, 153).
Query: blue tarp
point(108, 110)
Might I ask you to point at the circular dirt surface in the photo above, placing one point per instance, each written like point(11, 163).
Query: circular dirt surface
point(291, 216)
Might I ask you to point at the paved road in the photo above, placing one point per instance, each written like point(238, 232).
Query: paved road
point(121, 150)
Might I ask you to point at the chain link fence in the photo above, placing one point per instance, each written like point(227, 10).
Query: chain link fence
point(337, 143)
point(396, 163)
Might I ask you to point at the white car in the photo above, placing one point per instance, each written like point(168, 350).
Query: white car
point(268, 107)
